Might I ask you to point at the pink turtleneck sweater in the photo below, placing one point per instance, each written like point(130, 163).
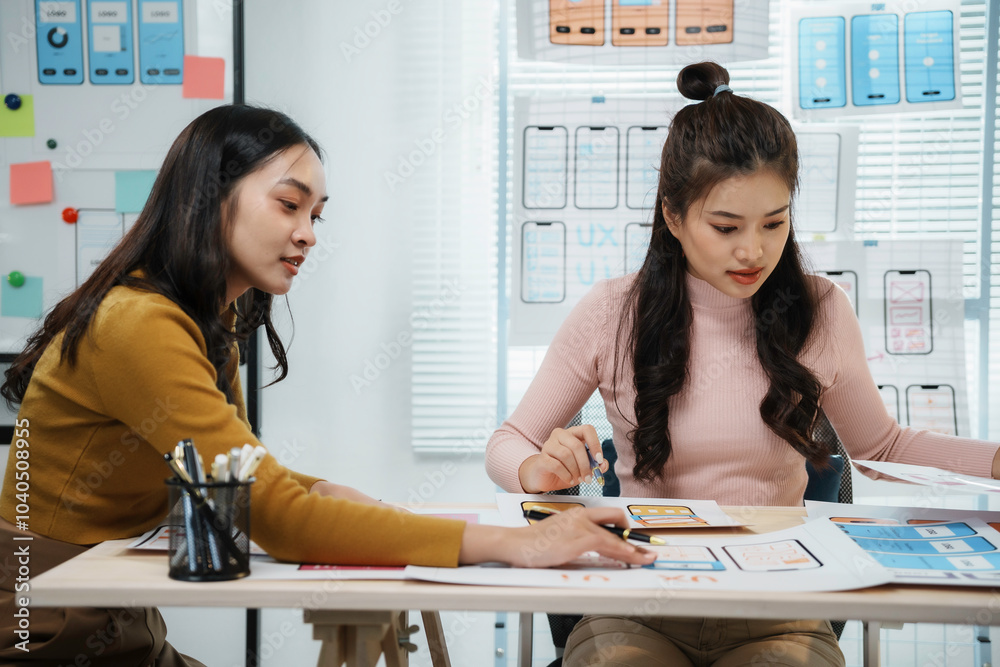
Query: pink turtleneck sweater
point(722, 450)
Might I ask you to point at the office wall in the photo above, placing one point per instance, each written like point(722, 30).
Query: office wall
point(343, 71)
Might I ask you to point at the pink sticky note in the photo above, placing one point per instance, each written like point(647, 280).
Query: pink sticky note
point(204, 78)
point(31, 183)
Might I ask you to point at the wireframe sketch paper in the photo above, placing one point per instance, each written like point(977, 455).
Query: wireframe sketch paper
point(922, 545)
point(944, 480)
point(645, 513)
point(815, 556)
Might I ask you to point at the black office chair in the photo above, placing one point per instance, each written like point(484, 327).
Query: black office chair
point(833, 484)
point(562, 624)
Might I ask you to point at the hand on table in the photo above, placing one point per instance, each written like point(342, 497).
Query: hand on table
point(553, 541)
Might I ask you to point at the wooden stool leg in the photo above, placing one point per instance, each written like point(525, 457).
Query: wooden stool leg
point(331, 651)
point(395, 654)
point(436, 644)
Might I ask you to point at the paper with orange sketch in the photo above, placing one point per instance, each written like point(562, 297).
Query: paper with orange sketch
point(943, 480)
point(815, 556)
point(643, 513)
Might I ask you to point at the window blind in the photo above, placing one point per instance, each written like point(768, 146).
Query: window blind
point(454, 280)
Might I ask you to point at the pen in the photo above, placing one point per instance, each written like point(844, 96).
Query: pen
point(539, 513)
point(595, 467)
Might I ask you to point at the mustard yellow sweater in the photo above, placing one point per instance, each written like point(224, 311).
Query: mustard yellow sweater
point(142, 382)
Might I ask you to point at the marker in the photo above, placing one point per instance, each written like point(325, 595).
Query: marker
point(538, 513)
point(250, 465)
point(220, 468)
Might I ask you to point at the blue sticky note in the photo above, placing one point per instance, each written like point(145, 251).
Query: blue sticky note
point(23, 301)
point(132, 190)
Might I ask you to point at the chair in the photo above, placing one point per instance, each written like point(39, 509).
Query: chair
point(833, 484)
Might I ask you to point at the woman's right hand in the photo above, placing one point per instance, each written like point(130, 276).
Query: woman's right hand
point(563, 462)
point(553, 541)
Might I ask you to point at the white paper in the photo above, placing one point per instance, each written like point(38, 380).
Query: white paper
point(816, 556)
point(929, 476)
point(923, 545)
point(643, 513)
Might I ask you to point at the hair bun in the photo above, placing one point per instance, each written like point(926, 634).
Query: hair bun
point(699, 81)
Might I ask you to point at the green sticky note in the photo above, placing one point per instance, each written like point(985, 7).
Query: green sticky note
point(19, 122)
point(23, 301)
point(132, 190)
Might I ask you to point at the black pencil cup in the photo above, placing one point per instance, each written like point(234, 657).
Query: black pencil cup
point(209, 530)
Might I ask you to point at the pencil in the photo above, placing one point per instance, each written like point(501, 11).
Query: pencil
point(538, 513)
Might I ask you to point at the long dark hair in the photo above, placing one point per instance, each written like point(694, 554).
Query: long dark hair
point(179, 243)
point(723, 136)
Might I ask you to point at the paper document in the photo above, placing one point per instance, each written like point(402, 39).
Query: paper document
point(935, 477)
point(816, 556)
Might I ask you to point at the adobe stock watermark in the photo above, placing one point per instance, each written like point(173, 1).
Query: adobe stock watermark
point(119, 111)
point(427, 146)
point(390, 350)
point(363, 35)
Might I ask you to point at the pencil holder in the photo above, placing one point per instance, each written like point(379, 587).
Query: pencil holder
point(209, 530)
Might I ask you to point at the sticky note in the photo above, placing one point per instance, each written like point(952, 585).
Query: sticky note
point(204, 78)
point(23, 301)
point(19, 122)
point(132, 190)
point(31, 183)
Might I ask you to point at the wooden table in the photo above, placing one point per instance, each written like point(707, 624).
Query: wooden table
point(110, 575)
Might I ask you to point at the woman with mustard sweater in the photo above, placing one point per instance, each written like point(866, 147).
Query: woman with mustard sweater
point(144, 354)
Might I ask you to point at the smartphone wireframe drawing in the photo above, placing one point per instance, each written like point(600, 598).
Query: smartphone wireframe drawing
point(111, 56)
point(704, 22)
point(576, 22)
point(161, 41)
point(928, 56)
point(817, 205)
point(909, 314)
point(545, 166)
point(822, 63)
point(890, 398)
point(932, 407)
point(875, 59)
point(639, 22)
point(636, 244)
point(847, 281)
point(59, 42)
point(643, 144)
point(543, 262)
point(596, 167)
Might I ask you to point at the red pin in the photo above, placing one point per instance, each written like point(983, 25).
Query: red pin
point(70, 215)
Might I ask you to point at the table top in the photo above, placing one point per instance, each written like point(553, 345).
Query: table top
point(111, 575)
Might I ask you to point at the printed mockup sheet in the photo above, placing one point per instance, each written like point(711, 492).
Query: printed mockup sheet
point(815, 556)
point(922, 545)
point(908, 296)
point(645, 513)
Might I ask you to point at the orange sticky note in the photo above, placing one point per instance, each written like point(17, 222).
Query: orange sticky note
point(31, 183)
point(204, 78)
